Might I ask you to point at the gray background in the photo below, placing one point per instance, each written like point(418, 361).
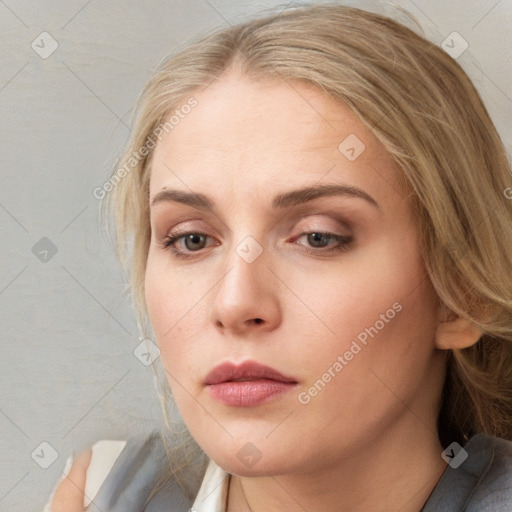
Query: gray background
point(68, 372)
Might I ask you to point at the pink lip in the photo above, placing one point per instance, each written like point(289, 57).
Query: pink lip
point(246, 385)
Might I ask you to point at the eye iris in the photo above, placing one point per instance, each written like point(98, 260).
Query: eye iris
point(193, 239)
point(318, 239)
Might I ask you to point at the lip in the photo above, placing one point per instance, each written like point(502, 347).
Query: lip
point(248, 370)
point(247, 384)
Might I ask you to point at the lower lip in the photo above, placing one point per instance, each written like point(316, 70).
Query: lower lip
point(249, 392)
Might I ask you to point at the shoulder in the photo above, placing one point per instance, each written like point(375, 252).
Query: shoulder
point(104, 454)
point(491, 464)
point(478, 480)
point(135, 473)
point(139, 476)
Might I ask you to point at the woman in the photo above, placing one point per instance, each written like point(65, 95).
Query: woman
point(322, 220)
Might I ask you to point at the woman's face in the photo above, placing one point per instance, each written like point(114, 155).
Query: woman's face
point(305, 259)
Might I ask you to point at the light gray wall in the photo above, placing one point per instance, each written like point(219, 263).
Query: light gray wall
point(68, 373)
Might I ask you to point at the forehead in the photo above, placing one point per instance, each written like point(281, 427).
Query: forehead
point(266, 132)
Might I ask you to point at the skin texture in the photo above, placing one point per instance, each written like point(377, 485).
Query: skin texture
point(372, 428)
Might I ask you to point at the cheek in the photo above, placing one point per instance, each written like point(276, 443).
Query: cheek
point(178, 312)
point(380, 310)
point(364, 286)
point(178, 303)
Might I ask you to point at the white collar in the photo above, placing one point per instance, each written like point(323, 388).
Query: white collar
point(213, 493)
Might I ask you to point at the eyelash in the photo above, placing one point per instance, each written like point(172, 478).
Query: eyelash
point(344, 243)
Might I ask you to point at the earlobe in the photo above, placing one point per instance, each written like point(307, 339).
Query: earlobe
point(458, 333)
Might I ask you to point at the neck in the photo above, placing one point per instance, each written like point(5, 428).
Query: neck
point(392, 472)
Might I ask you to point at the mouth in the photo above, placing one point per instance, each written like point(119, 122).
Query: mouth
point(247, 371)
point(247, 385)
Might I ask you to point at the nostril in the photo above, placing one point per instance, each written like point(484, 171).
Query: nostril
point(258, 320)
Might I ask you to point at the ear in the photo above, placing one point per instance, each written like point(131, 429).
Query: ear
point(456, 333)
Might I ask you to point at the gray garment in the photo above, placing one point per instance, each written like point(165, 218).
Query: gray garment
point(482, 483)
point(133, 477)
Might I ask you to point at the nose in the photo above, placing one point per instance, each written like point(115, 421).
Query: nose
point(246, 299)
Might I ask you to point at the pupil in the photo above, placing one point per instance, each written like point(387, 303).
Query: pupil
point(193, 239)
point(314, 238)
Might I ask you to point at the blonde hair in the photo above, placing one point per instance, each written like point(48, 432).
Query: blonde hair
point(421, 105)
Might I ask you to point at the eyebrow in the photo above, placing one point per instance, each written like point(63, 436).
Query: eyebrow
point(283, 200)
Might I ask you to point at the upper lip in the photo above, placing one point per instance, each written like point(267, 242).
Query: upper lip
point(247, 370)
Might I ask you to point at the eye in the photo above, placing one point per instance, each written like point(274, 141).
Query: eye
point(192, 242)
point(319, 241)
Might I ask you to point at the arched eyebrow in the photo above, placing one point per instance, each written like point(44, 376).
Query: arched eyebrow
point(303, 195)
point(283, 200)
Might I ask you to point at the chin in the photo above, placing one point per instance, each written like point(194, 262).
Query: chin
point(247, 459)
point(234, 466)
